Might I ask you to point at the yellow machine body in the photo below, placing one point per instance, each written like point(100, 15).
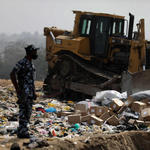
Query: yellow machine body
point(99, 39)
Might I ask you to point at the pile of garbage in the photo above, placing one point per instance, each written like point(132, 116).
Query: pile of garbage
point(107, 113)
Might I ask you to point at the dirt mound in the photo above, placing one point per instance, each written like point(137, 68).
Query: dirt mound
point(132, 140)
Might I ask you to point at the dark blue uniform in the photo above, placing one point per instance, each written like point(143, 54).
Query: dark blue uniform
point(25, 72)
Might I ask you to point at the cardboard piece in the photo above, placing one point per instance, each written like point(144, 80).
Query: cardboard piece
point(105, 109)
point(113, 113)
point(65, 113)
point(116, 105)
point(139, 122)
point(121, 109)
point(93, 110)
point(147, 123)
point(145, 114)
point(77, 112)
point(138, 106)
point(113, 120)
point(128, 102)
point(131, 121)
point(81, 107)
point(86, 118)
point(141, 118)
point(98, 110)
point(83, 113)
point(95, 120)
point(74, 119)
point(105, 116)
point(122, 120)
point(145, 100)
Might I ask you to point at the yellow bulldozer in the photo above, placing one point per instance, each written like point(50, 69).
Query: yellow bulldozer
point(101, 53)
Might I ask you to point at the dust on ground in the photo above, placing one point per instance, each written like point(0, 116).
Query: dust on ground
point(130, 140)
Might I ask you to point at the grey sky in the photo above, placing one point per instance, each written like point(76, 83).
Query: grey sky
point(17, 16)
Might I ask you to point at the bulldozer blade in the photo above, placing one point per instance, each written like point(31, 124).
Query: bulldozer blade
point(135, 82)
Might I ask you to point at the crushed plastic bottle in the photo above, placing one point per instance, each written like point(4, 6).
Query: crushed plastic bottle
point(70, 102)
point(51, 105)
point(77, 126)
point(67, 108)
point(55, 102)
point(97, 129)
point(108, 128)
point(53, 133)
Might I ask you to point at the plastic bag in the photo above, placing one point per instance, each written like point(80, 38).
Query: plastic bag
point(109, 95)
point(106, 102)
point(51, 109)
point(141, 95)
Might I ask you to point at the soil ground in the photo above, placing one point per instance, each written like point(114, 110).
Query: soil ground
point(131, 140)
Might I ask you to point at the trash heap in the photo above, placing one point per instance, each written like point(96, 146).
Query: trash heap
point(107, 113)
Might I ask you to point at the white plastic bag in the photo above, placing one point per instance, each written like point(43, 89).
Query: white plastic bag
point(141, 95)
point(109, 95)
point(106, 102)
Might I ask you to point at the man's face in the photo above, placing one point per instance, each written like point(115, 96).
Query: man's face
point(34, 52)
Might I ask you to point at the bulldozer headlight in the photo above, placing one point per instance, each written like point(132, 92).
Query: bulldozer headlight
point(58, 41)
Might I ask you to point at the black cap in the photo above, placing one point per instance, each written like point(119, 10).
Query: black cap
point(31, 48)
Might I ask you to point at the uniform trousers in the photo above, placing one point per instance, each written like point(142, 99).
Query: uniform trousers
point(25, 111)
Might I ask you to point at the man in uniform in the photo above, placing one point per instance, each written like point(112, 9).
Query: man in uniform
point(25, 72)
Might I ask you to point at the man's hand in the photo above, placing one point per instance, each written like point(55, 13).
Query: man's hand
point(14, 81)
point(18, 91)
point(35, 96)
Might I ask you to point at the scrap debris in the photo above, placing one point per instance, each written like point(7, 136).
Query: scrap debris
point(67, 119)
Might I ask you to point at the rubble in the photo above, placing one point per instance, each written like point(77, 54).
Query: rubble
point(53, 119)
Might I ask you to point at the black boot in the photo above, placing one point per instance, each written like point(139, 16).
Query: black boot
point(25, 135)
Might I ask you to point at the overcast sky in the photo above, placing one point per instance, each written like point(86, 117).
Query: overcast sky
point(17, 16)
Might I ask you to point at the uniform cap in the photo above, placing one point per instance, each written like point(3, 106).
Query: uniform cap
point(31, 48)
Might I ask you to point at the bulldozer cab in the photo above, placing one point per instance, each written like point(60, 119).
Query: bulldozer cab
point(98, 29)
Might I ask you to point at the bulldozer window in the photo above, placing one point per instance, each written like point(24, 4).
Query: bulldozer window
point(86, 26)
point(101, 35)
point(117, 28)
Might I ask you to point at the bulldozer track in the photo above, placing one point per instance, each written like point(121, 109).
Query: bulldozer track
point(88, 66)
point(100, 76)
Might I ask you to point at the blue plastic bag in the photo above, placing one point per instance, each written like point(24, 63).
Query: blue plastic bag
point(51, 109)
